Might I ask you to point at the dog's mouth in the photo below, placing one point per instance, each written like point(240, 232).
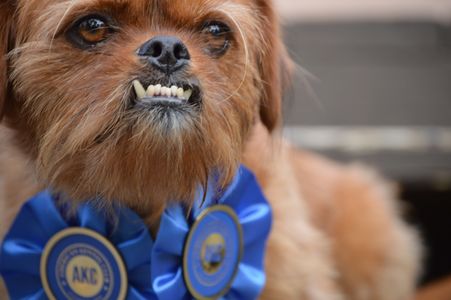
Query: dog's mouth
point(168, 94)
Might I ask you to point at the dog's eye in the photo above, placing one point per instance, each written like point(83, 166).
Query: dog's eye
point(216, 29)
point(217, 36)
point(93, 30)
point(89, 31)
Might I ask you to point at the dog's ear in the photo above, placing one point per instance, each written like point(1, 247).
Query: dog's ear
point(7, 10)
point(275, 67)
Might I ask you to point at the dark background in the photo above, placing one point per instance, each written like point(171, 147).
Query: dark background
point(393, 80)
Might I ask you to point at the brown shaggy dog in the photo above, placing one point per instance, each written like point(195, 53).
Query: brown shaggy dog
point(73, 75)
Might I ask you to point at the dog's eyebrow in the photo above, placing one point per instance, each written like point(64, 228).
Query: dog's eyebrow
point(238, 13)
point(73, 9)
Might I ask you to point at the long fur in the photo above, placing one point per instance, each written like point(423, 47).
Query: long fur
point(71, 128)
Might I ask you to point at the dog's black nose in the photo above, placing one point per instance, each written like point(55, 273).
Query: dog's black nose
point(167, 53)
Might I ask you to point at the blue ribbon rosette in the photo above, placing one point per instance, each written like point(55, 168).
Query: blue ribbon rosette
point(46, 255)
point(217, 249)
point(213, 251)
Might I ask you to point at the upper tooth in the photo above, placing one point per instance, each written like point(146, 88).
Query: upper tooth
point(174, 91)
point(139, 89)
point(187, 94)
point(151, 91)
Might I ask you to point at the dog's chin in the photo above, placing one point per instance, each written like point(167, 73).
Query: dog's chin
point(139, 175)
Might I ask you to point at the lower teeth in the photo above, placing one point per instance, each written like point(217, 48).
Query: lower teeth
point(162, 91)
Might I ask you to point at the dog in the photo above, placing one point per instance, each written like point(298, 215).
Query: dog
point(139, 101)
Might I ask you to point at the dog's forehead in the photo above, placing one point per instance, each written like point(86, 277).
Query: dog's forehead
point(186, 10)
point(174, 7)
point(181, 12)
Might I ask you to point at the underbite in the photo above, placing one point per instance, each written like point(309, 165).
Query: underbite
point(173, 93)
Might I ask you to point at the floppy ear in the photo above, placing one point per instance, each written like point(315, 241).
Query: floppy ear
point(275, 67)
point(6, 29)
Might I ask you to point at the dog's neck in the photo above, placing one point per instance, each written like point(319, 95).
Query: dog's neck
point(16, 169)
point(260, 148)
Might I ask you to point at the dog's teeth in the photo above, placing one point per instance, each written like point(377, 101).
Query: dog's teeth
point(139, 89)
point(168, 92)
point(174, 91)
point(187, 94)
point(180, 93)
point(163, 91)
point(158, 90)
point(151, 91)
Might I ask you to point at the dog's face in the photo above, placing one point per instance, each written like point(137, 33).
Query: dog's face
point(138, 100)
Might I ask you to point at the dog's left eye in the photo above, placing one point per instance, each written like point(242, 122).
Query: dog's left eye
point(89, 31)
point(216, 29)
point(217, 36)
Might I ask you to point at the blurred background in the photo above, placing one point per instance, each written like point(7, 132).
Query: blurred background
point(374, 85)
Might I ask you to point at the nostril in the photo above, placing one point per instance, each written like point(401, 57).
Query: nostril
point(156, 49)
point(180, 52)
point(166, 53)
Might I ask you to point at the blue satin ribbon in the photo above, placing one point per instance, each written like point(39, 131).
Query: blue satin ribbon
point(245, 197)
point(39, 220)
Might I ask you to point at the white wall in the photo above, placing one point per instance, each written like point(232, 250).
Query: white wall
point(323, 10)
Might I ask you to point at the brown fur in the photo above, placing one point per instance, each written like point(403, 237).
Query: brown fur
point(337, 234)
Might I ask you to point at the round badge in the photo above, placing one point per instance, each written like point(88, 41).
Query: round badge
point(212, 253)
point(78, 263)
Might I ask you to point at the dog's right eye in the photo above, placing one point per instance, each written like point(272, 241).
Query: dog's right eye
point(89, 32)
